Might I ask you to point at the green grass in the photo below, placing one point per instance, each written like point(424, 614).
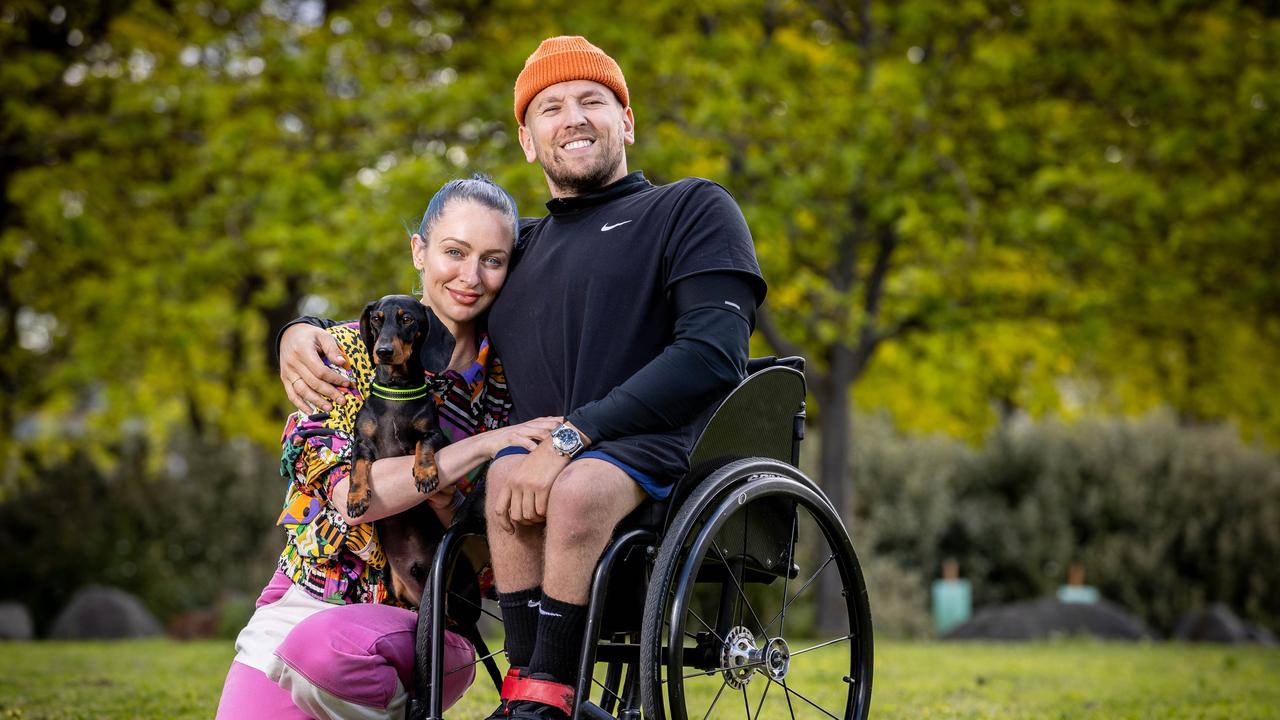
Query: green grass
point(1076, 679)
point(100, 680)
point(1067, 679)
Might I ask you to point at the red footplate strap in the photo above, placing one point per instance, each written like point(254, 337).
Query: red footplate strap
point(557, 695)
point(513, 673)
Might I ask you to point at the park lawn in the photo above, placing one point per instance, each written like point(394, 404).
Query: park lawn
point(1061, 679)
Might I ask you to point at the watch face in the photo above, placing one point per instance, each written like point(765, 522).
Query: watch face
point(566, 440)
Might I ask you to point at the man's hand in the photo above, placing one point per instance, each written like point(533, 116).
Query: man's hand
point(308, 382)
point(525, 494)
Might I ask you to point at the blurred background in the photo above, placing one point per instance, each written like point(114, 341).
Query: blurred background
point(1030, 250)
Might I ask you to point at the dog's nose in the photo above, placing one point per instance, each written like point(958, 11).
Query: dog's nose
point(384, 352)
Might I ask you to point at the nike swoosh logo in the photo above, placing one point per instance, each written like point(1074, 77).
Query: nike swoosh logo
point(607, 227)
point(535, 603)
point(548, 613)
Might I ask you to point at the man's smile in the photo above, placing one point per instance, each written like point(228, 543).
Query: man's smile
point(577, 144)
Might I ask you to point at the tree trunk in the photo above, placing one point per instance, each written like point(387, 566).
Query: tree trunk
point(831, 392)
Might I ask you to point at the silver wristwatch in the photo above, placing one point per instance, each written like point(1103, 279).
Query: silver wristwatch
point(566, 440)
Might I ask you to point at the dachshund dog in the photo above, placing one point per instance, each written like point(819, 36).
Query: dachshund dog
point(404, 338)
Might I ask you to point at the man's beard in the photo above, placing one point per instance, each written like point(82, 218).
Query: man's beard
point(588, 179)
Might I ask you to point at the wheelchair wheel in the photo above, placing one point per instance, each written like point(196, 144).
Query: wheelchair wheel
point(729, 624)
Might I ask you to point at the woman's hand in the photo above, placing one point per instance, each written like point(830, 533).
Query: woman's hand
point(308, 382)
point(457, 459)
point(392, 478)
point(526, 435)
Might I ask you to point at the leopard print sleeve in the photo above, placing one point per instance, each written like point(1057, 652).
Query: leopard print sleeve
point(318, 447)
point(332, 560)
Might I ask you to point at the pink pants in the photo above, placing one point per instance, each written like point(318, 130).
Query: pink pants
point(349, 661)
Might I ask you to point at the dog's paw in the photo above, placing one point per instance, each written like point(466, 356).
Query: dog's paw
point(357, 505)
point(426, 479)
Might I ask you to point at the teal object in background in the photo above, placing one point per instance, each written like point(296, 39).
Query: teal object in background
point(952, 604)
point(1075, 591)
point(1083, 594)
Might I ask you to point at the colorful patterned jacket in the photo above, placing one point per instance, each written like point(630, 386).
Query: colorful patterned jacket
point(329, 558)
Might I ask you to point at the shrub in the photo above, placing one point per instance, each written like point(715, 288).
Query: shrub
point(1166, 517)
point(179, 536)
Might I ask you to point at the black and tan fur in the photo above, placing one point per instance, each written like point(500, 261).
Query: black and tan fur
point(403, 338)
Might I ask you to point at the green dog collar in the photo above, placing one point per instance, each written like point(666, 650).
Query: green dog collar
point(387, 393)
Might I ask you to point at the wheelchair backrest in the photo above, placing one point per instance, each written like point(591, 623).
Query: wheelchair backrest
point(762, 417)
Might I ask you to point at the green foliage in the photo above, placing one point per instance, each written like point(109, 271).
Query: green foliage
point(899, 598)
point(1166, 518)
point(212, 167)
point(233, 614)
point(1015, 201)
point(198, 532)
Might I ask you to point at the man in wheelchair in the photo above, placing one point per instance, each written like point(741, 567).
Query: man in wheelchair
point(628, 313)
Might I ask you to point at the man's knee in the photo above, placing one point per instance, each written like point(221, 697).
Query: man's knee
point(496, 477)
point(588, 499)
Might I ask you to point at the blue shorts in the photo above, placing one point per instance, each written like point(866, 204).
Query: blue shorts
point(646, 483)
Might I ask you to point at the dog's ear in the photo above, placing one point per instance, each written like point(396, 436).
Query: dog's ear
point(437, 344)
point(366, 327)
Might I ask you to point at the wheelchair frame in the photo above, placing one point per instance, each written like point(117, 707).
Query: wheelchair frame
point(745, 460)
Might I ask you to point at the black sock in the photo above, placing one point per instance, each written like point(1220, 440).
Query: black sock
point(559, 646)
point(520, 622)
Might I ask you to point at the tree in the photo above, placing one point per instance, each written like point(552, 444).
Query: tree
point(211, 165)
point(1012, 196)
point(965, 211)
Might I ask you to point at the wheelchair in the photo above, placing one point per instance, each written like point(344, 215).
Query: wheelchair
point(694, 608)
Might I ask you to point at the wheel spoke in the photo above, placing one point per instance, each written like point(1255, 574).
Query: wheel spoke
point(723, 685)
point(742, 580)
point(615, 695)
point(822, 645)
point(742, 595)
point(746, 704)
point(760, 704)
point(816, 706)
point(702, 673)
point(705, 625)
point(667, 623)
point(786, 576)
point(490, 613)
point(790, 709)
point(804, 587)
point(713, 671)
point(477, 661)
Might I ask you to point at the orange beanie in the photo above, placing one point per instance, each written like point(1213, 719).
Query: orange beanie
point(563, 58)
